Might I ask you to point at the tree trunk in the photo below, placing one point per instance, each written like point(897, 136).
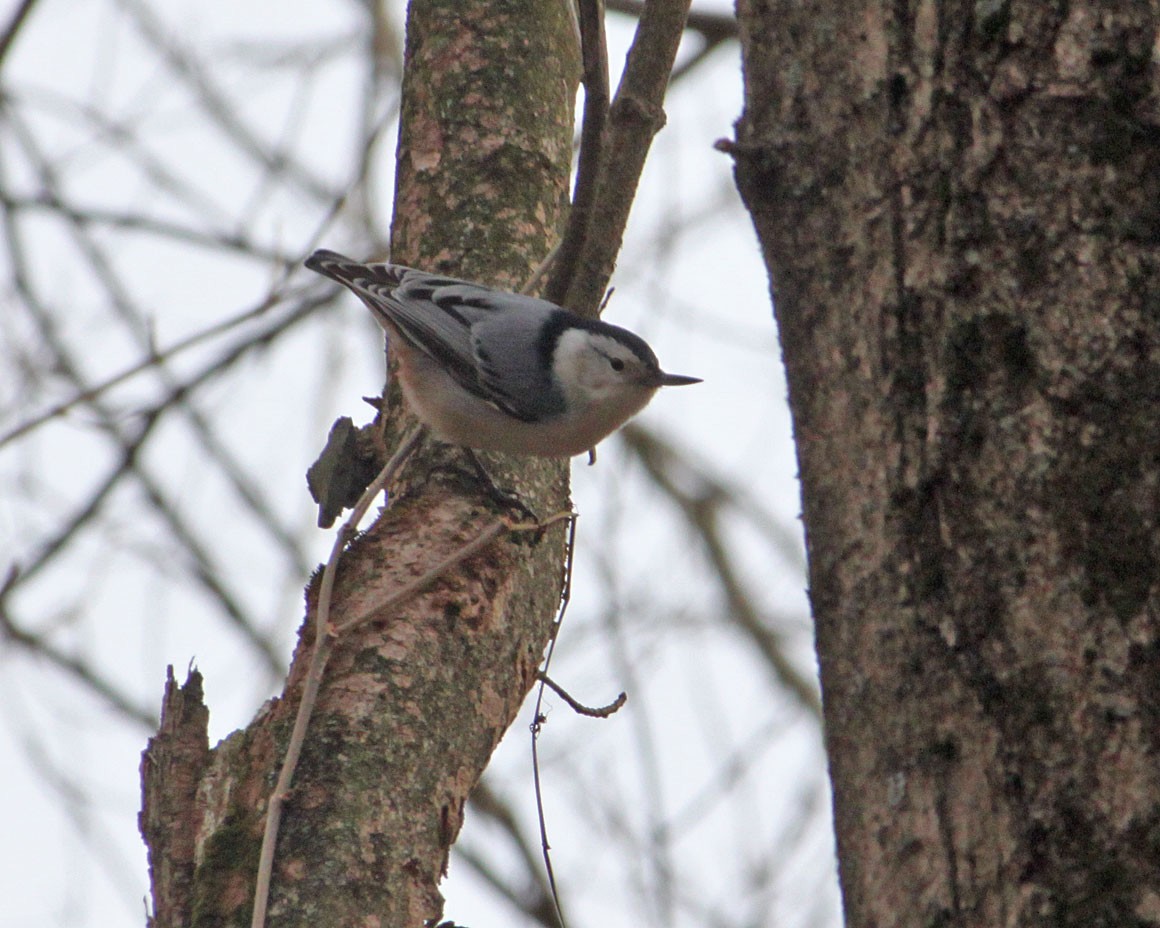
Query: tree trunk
point(410, 708)
point(959, 204)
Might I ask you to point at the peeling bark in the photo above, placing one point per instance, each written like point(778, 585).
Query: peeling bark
point(959, 204)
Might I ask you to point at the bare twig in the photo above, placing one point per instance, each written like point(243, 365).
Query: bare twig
point(598, 169)
point(152, 358)
point(701, 501)
point(179, 397)
point(594, 49)
point(233, 241)
point(13, 28)
point(635, 117)
point(713, 27)
point(122, 135)
point(534, 902)
point(473, 547)
point(217, 105)
point(539, 718)
point(597, 712)
point(79, 670)
point(424, 580)
point(685, 469)
point(130, 446)
point(535, 898)
point(200, 560)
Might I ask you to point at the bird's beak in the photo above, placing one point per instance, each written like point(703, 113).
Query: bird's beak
point(675, 380)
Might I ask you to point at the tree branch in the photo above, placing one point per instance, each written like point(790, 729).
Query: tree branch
point(635, 117)
point(594, 48)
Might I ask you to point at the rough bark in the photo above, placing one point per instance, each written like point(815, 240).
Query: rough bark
point(959, 204)
point(171, 771)
point(410, 709)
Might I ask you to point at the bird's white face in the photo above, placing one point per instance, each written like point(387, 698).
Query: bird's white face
point(595, 369)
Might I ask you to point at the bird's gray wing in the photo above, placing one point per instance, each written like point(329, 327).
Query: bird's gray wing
point(402, 299)
point(416, 305)
point(513, 356)
point(496, 344)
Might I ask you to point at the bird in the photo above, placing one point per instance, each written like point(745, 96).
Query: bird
point(497, 371)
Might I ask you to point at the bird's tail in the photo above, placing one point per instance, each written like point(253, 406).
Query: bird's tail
point(355, 274)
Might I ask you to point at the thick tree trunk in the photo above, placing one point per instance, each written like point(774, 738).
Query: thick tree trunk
point(410, 708)
point(959, 205)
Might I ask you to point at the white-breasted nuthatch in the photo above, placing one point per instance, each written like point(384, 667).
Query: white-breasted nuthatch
point(500, 371)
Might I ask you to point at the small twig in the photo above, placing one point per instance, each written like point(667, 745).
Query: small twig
point(477, 544)
point(535, 899)
point(151, 360)
point(542, 268)
point(80, 670)
point(217, 104)
point(157, 359)
point(14, 24)
point(701, 499)
point(539, 718)
point(599, 712)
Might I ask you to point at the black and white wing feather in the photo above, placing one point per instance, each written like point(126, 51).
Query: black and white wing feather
point(496, 345)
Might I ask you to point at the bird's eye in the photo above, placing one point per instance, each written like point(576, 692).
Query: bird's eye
point(616, 364)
